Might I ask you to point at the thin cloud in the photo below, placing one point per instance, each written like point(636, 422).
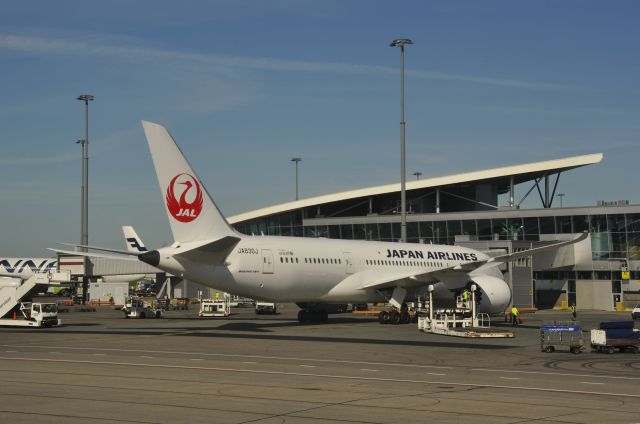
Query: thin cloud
point(103, 49)
point(33, 160)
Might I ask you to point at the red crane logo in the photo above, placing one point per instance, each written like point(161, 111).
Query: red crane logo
point(189, 206)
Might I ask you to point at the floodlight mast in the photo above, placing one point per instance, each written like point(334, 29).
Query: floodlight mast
point(296, 160)
point(401, 42)
point(84, 237)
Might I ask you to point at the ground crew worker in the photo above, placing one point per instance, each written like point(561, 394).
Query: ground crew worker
point(465, 295)
point(572, 308)
point(514, 315)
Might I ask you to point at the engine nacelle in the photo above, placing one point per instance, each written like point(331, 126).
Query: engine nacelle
point(493, 294)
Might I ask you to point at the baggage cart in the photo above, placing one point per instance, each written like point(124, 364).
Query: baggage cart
point(616, 336)
point(561, 334)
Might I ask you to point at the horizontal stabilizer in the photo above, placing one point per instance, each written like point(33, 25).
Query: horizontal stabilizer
point(212, 252)
point(112, 255)
point(99, 249)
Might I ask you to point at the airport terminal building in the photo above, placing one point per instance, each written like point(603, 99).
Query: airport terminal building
point(600, 273)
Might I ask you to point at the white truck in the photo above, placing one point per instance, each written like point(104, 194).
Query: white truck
point(265, 307)
point(220, 307)
point(34, 314)
point(135, 307)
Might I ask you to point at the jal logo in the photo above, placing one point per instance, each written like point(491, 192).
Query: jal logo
point(184, 197)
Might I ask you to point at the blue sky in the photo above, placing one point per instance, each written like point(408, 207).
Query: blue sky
point(244, 86)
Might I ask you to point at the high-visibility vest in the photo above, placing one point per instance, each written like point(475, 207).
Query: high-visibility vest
point(514, 311)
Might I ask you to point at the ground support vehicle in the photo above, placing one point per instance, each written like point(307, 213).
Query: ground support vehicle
point(616, 336)
point(561, 334)
point(16, 312)
point(34, 314)
point(180, 304)
point(266, 307)
point(461, 321)
point(241, 302)
point(635, 312)
point(136, 307)
point(220, 307)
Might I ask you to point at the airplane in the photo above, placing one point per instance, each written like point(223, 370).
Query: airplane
point(312, 272)
point(23, 268)
point(134, 242)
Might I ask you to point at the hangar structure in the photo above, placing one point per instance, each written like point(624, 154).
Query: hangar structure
point(601, 272)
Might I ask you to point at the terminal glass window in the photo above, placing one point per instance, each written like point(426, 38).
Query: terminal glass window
point(440, 232)
point(395, 231)
point(580, 223)
point(331, 231)
point(484, 229)
point(372, 232)
point(454, 228)
point(616, 223)
point(547, 225)
point(426, 229)
point(346, 232)
point(469, 227)
point(598, 223)
point(633, 222)
point(619, 242)
point(634, 246)
point(359, 232)
point(563, 224)
point(531, 228)
point(515, 228)
point(412, 231)
point(385, 232)
point(285, 231)
point(500, 228)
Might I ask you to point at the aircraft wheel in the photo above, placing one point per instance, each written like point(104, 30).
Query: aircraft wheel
point(383, 317)
point(394, 317)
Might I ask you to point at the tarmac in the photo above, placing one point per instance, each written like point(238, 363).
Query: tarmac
point(101, 368)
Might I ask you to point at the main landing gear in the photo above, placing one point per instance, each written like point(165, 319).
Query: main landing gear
point(394, 317)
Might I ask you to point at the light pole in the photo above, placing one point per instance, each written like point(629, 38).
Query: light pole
point(401, 42)
point(417, 174)
point(86, 98)
point(560, 195)
point(296, 160)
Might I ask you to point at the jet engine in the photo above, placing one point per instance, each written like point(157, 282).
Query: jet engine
point(493, 294)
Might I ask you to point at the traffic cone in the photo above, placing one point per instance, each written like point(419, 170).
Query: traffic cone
point(14, 315)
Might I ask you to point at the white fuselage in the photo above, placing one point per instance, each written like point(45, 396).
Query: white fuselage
point(295, 269)
point(24, 268)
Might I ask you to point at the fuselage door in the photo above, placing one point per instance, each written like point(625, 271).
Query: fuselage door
point(267, 261)
point(348, 260)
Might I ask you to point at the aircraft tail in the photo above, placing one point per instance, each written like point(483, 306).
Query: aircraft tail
point(132, 240)
point(192, 214)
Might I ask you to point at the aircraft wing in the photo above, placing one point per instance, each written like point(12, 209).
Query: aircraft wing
point(455, 273)
point(529, 252)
